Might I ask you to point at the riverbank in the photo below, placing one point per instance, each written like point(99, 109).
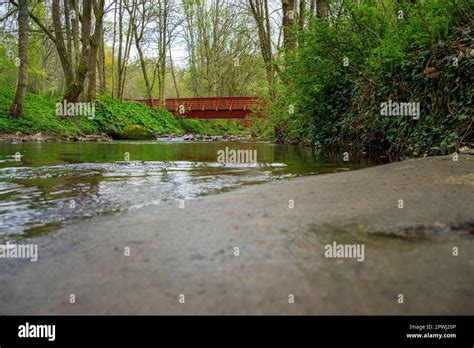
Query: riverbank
point(191, 250)
point(40, 137)
point(408, 93)
point(105, 118)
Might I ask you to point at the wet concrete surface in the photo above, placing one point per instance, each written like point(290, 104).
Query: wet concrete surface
point(191, 250)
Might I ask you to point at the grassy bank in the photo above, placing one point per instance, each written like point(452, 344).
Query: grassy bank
point(40, 117)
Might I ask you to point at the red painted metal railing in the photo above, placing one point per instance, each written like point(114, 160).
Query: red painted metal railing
point(223, 107)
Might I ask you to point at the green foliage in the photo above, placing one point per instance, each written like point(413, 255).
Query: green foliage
point(8, 70)
point(213, 126)
point(262, 128)
point(8, 56)
point(40, 115)
point(120, 114)
point(408, 59)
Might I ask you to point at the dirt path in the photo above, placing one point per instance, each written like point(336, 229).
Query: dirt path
point(190, 251)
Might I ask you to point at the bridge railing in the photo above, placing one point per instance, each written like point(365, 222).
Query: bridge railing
point(222, 107)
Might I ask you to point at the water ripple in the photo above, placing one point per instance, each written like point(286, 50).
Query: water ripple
point(35, 197)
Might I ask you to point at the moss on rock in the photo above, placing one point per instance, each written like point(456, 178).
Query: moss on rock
point(136, 132)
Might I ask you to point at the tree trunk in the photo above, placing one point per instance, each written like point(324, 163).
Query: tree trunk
point(92, 76)
point(113, 50)
point(261, 15)
point(67, 24)
point(164, 39)
point(190, 41)
point(312, 8)
point(125, 57)
point(102, 78)
point(288, 7)
point(138, 38)
point(74, 89)
point(75, 36)
point(60, 46)
point(173, 73)
point(22, 84)
point(119, 57)
point(321, 8)
point(302, 14)
point(144, 71)
point(95, 44)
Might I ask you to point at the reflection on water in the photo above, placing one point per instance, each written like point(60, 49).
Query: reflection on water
point(53, 183)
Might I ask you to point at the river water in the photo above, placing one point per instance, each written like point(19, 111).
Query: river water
point(46, 185)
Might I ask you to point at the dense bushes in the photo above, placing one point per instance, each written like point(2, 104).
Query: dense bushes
point(402, 52)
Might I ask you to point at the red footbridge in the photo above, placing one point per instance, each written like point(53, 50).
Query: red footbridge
point(222, 107)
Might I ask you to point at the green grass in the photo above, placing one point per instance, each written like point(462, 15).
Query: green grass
point(214, 127)
point(40, 116)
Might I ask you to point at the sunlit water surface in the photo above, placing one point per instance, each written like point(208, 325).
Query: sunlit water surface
point(46, 185)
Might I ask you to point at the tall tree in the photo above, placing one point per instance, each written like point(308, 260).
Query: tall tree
point(140, 16)
point(164, 34)
point(288, 20)
point(301, 17)
point(123, 49)
point(261, 15)
point(95, 42)
point(75, 88)
point(22, 82)
point(75, 67)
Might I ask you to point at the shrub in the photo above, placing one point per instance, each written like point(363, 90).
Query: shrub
point(405, 60)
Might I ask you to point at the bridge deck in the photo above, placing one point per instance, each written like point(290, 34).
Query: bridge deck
point(223, 107)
